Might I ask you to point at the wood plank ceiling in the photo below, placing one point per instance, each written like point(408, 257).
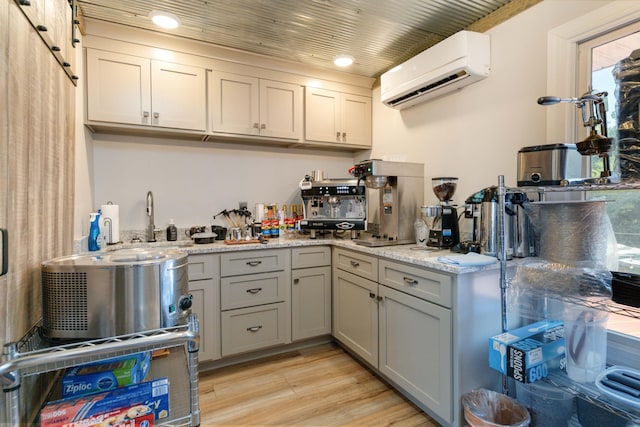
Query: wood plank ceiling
point(379, 34)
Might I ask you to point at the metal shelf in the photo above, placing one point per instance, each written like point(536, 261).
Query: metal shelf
point(627, 185)
point(33, 355)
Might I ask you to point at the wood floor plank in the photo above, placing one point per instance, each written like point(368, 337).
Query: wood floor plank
point(316, 386)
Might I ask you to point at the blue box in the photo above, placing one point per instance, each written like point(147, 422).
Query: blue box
point(106, 375)
point(146, 397)
point(526, 354)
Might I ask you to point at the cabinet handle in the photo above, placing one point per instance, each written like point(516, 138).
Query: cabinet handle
point(296, 281)
point(42, 28)
point(263, 126)
point(409, 281)
point(55, 48)
point(256, 125)
point(338, 135)
point(253, 263)
point(372, 295)
point(344, 136)
point(379, 298)
point(254, 290)
point(355, 264)
point(254, 328)
point(145, 114)
point(25, 3)
point(156, 115)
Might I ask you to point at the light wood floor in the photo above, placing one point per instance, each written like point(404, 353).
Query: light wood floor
point(317, 386)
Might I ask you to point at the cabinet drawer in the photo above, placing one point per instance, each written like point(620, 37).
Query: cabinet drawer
point(314, 256)
point(357, 263)
point(424, 284)
point(202, 266)
point(250, 262)
point(253, 328)
point(254, 289)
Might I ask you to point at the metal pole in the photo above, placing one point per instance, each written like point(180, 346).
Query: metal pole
point(193, 347)
point(502, 246)
point(11, 388)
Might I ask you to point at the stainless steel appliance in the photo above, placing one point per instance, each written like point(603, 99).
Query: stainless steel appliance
point(519, 234)
point(395, 192)
point(90, 296)
point(594, 117)
point(443, 218)
point(550, 164)
point(334, 204)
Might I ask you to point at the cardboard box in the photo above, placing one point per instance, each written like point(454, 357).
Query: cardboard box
point(105, 375)
point(526, 354)
point(115, 419)
point(139, 399)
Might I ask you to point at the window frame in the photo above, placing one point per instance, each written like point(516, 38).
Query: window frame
point(563, 80)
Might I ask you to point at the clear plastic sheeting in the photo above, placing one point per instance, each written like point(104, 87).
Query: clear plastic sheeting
point(575, 233)
point(561, 280)
point(488, 408)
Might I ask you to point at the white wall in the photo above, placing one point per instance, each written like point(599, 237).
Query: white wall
point(475, 133)
point(192, 181)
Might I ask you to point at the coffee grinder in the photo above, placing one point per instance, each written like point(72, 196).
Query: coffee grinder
point(443, 218)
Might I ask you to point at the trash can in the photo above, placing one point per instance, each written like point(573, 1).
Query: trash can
point(487, 408)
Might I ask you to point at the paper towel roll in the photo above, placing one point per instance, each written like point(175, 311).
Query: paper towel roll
point(111, 223)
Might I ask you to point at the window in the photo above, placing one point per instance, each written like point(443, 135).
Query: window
point(603, 67)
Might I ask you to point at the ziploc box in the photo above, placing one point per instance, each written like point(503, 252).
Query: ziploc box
point(105, 375)
point(146, 397)
point(525, 354)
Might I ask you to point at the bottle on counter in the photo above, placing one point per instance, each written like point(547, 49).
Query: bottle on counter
point(172, 231)
point(94, 231)
point(275, 224)
point(266, 223)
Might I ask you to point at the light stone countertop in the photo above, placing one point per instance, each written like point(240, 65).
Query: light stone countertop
point(411, 253)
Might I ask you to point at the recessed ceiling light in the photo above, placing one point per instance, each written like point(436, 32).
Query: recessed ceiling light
point(164, 19)
point(343, 60)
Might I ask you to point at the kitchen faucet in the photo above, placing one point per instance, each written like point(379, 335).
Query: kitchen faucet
point(151, 235)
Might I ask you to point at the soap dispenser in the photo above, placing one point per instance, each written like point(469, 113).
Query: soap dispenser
point(172, 231)
point(94, 231)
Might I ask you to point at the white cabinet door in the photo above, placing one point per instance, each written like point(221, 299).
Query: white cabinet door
point(355, 314)
point(332, 116)
point(118, 88)
point(356, 120)
point(280, 110)
point(235, 106)
point(247, 105)
point(206, 306)
point(179, 96)
point(416, 348)
point(322, 115)
point(310, 302)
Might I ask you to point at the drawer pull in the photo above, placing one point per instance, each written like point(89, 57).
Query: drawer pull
point(254, 263)
point(372, 295)
point(409, 281)
point(254, 290)
point(296, 281)
point(355, 264)
point(254, 328)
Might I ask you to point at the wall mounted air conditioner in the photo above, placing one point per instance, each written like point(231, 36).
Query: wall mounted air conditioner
point(455, 62)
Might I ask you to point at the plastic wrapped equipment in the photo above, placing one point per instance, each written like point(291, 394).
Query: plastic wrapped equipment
point(489, 408)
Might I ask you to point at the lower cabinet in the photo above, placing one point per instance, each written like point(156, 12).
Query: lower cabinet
point(415, 348)
point(204, 286)
point(255, 306)
point(355, 314)
point(310, 292)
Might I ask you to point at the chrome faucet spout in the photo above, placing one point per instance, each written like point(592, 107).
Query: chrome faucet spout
point(151, 235)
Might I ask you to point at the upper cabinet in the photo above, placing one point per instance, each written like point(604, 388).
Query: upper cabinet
point(132, 90)
point(247, 105)
point(337, 117)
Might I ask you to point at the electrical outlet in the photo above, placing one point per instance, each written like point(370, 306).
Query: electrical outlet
point(242, 205)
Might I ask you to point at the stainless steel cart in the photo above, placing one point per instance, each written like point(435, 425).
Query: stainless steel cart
point(33, 356)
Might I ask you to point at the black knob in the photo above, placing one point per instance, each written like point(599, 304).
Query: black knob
point(185, 302)
point(536, 177)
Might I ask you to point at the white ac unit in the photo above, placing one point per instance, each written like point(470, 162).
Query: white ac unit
point(455, 62)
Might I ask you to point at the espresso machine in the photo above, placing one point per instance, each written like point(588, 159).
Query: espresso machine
point(442, 219)
point(333, 204)
point(395, 192)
